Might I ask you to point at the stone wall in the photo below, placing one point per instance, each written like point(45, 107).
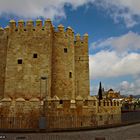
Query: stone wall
point(3, 49)
point(28, 65)
point(45, 72)
point(63, 70)
point(65, 114)
point(39, 61)
point(81, 66)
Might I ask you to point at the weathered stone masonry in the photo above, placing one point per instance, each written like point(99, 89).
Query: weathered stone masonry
point(39, 61)
point(45, 72)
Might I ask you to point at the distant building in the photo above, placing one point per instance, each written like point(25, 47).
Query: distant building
point(111, 94)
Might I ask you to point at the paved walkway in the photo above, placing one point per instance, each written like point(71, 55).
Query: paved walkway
point(131, 132)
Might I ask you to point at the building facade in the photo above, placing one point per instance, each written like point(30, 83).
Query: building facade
point(45, 72)
point(39, 61)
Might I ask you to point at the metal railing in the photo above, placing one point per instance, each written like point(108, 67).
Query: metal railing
point(58, 123)
point(130, 117)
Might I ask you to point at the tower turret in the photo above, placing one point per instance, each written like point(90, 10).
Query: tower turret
point(63, 70)
point(81, 65)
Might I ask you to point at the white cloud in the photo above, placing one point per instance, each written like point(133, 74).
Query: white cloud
point(122, 9)
point(125, 85)
point(124, 43)
point(130, 88)
point(38, 8)
point(118, 9)
point(111, 64)
point(118, 56)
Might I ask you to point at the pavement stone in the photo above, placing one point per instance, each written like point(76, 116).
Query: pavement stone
point(131, 132)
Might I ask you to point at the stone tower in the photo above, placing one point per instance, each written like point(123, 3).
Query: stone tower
point(39, 61)
point(28, 62)
point(63, 70)
point(81, 65)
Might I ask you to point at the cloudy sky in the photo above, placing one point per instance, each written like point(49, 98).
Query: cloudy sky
point(114, 35)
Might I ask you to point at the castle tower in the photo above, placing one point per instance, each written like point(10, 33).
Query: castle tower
point(28, 63)
point(81, 66)
point(63, 70)
point(38, 61)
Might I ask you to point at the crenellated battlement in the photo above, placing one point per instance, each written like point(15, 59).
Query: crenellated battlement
point(81, 39)
point(4, 32)
point(60, 28)
point(89, 101)
point(7, 29)
point(22, 26)
point(54, 104)
point(29, 26)
point(1, 31)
